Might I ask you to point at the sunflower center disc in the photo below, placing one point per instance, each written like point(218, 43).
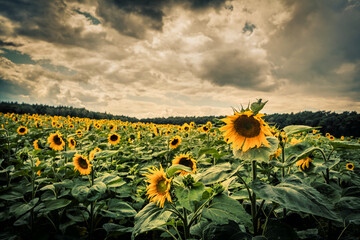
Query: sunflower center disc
point(175, 141)
point(186, 162)
point(113, 137)
point(247, 126)
point(82, 163)
point(161, 186)
point(22, 130)
point(57, 140)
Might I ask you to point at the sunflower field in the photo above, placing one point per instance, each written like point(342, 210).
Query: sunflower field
point(233, 178)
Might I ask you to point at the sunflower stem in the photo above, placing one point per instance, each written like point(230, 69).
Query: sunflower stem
point(186, 226)
point(253, 198)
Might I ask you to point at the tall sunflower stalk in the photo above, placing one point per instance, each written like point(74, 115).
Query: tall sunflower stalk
point(247, 130)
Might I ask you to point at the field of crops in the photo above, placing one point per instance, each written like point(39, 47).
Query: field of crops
point(233, 178)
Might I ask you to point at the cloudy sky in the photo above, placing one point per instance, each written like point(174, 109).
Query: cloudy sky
point(147, 58)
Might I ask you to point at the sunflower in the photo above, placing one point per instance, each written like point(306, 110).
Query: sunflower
point(97, 125)
point(114, 138)
point(186, 160)
point(79, 133)
point(304, 163)
point(159, 188)
point(92, 153)
point(192, 124)
point(209, 124)
point(112, 127)
point(82, 164)
point(37, 145)
point(314, 131)
point(72, 143)
point(205, 128)
point(156, 131)
point(56, 142)
point(22, 130)
point(175, 142)
point(246, 130)
point(350, 166)
point(186, 127)
point(342, 138)
point(331, 138)
point(71, 126)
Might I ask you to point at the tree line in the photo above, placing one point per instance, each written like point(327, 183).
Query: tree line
point(337, 124)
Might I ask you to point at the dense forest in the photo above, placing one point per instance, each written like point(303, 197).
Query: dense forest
point(338, 124)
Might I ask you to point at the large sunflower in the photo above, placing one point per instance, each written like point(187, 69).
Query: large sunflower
point(186, 160)
point(175, 142)
point(56, 142)
point(246, 130)
point(72, 143)
point(82, 164)
point(114, 138)
point(159, 188)
point(22, 130)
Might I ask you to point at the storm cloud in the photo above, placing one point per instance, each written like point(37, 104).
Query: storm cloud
point(181, 57)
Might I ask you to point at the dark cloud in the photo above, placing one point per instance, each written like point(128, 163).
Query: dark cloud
point(248, 27)
point(235, 68)
point(134, 17)
point(318, 39)
point(46, 20)
point(9, 44)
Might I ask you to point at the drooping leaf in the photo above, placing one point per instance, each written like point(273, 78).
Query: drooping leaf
point(176, 167)
point(295, 195)
point(294, 129)
point(149, 218)
point(223, 208)
point(56, 204)
point(219, 173)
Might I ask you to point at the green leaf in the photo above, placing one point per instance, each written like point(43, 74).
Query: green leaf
point(294, 129)
point(11, 195)
point(105, 154)
point(23, 208)
point(257, 106)
point(80, 193)
point(56, 204)
point(176, 167)
point(223, 208)
point(77, 214)
point(295, 195)
point(69, 154)
point(188, 197)
point(96, 191)
point(259, 154)
point(212, 151)
point(121, 207)
point(219, 173)
point(344, 145)
point(116, 183)
point(116, 229)
point(149, 218)
point(349, 205)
